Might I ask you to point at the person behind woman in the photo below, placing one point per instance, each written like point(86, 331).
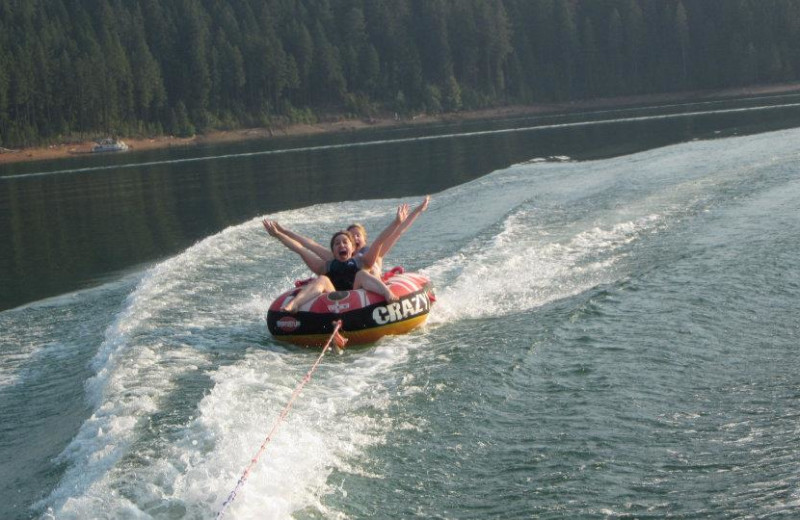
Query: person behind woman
point(342, 272)
point(388, 236)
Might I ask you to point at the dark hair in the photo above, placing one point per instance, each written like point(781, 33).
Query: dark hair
point(343, 232)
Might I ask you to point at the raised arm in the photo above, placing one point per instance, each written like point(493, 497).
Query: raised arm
point(311, 259)
point(392, 238)
point(414, 214)
point(318, 249)
point(378, 248)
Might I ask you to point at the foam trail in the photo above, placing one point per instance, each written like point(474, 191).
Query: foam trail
point(540, 269)
point(152, 344)
point(328, 427)
point(148, 449)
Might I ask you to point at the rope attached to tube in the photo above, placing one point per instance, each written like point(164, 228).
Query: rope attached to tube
point(340, 342)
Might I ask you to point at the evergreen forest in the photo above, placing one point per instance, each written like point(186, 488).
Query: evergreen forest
point(85, 68)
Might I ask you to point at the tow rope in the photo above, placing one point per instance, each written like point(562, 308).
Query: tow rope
point(340, 342)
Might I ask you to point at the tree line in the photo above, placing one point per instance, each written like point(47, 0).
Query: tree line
point(72, 68)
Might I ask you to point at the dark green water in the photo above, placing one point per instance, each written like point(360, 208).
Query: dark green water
point(75, 223)
point(612, 338)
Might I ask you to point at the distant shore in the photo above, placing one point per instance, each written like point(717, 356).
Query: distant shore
point(63, 150)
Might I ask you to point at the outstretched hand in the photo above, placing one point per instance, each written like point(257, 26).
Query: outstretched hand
point(402, 213)
point(424, 205)
point(271, 226)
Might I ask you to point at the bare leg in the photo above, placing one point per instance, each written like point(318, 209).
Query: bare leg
point(370, 282)
point(309, 291)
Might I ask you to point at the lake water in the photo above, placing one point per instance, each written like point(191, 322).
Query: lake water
point(615, 335)
point(77, 223)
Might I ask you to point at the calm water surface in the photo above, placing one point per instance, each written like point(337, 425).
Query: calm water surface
point(615, 335)
point(79, 222)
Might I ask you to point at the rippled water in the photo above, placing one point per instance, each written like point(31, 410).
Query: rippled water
point(612, 338)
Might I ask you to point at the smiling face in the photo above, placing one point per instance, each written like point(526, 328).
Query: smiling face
point(342, 246)
point(359, 235)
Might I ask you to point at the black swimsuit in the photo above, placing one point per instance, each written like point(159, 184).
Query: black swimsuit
point(343, 274)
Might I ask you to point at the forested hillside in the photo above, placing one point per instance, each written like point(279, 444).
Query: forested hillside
point(144, 67)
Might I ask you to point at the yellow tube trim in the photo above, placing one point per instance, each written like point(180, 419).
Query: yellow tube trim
point(358, 337)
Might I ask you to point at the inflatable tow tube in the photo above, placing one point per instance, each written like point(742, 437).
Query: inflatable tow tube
point(366, 316)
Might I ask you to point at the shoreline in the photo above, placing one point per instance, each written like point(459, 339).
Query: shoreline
point(64, 150)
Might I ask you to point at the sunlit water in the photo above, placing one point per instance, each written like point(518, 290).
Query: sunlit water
point(612, 338)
